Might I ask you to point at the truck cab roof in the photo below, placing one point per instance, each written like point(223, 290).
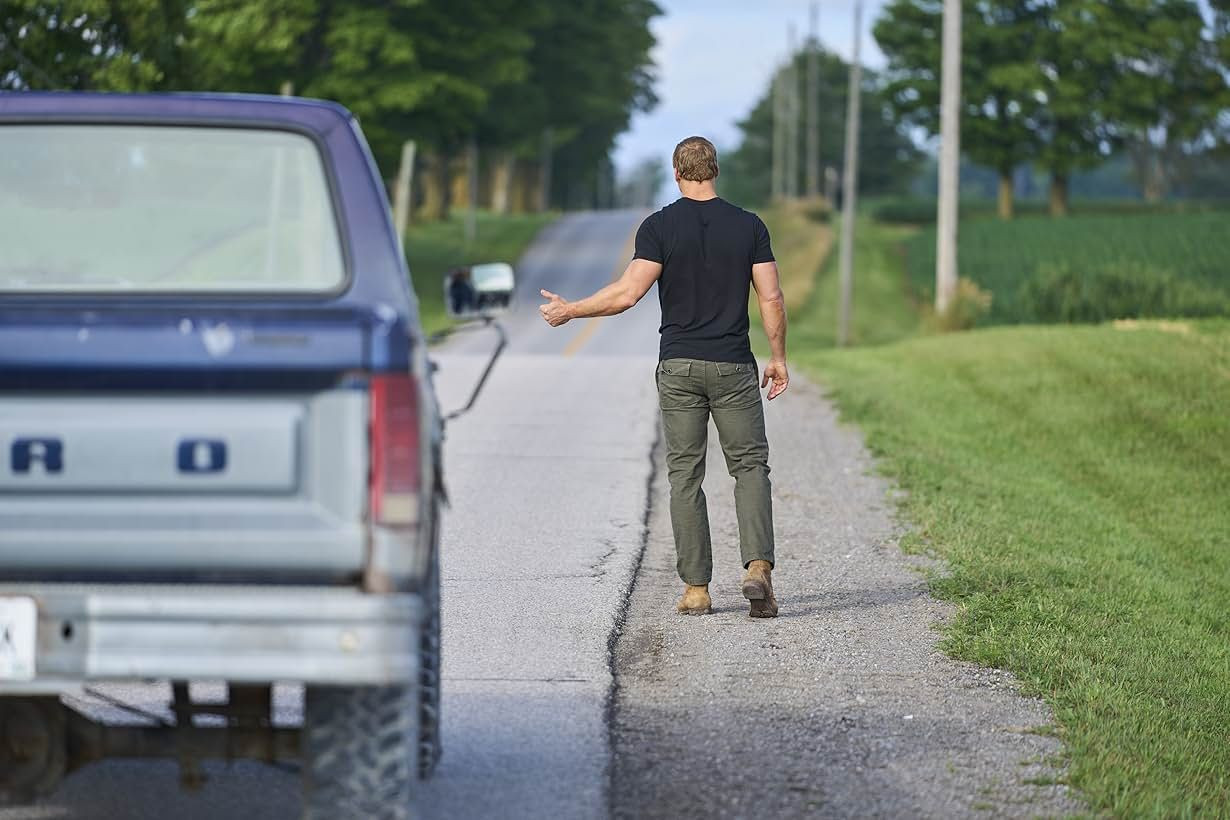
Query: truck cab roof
point(319, 116)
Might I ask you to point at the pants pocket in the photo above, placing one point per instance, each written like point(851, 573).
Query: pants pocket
point(736, 387)
point(677, 388)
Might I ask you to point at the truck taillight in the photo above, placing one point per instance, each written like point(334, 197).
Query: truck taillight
point(394, 482)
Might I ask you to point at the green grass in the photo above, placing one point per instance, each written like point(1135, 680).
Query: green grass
point(1077, 481)
point(802, 239)
point(1189, 251)
point(432, 248)
point(881, 310)
point(914, 210)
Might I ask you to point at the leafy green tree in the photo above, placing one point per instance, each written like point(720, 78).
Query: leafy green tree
point(596, 70)
point(1078, 53)
point(999, 77)
point(109, 45)
point(421, 68)
point(888, 157)
point(1170, 90)
point(442, 72)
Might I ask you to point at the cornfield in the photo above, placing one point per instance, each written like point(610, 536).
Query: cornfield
point(1089, 267)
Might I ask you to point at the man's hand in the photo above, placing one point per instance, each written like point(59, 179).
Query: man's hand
point(775, 371)
point(555, 312)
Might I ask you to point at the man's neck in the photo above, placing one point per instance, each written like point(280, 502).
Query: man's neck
point(697, 190)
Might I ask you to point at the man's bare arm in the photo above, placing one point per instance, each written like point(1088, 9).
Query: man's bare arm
point(616, 297)
point(773, 316)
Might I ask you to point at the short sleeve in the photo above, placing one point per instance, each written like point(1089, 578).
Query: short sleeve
point(649, 241)
point(763, 249)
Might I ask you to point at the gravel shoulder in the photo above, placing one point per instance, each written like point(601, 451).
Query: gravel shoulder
point(841, 707)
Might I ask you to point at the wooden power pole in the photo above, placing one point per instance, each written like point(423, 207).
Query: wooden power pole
point(813, 105)
point(471, 226)
point(792, 128)
point(779, 137)
point(402, 189)
point(849, 184)
point(950, 157)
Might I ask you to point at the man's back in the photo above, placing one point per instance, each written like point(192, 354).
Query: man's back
point(707, 249)
point(704, 253)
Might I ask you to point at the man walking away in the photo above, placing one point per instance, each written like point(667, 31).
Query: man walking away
point(705, 253)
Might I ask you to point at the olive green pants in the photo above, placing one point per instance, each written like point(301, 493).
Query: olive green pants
point(689, 391)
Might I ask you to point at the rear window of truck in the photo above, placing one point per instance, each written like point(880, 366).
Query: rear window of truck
point(153, 208)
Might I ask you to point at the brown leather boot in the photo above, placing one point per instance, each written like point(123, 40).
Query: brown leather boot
point(695, 601)
point(758, 588)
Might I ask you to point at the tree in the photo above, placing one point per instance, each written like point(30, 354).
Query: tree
point(596, 71)
point(421, 68)
point(640, 186)
point(889, 157)
point(1077, 56)
point(998, 78)
point(1169, 91)
point(107, 45)
point(442, 72)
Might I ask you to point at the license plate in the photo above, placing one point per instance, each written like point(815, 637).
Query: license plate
point(18, 637)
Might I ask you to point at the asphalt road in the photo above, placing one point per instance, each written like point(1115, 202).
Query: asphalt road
point(572, 690)
point(549, 477)
point(843, 706)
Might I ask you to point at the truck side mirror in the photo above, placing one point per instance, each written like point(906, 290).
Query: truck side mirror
point(479, 291)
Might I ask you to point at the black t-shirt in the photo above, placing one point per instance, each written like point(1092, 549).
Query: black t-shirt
point(707, 249)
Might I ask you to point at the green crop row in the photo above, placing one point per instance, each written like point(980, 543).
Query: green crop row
point(1089, 268)
point(915, 210)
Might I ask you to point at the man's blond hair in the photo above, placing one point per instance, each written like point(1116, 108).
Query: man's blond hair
point(696, 159)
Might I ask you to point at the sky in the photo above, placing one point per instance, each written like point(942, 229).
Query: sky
point(714, 58)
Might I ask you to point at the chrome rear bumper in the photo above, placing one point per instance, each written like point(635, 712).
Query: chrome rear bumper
point(244, 634)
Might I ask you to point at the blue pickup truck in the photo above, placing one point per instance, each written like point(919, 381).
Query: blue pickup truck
point(219, 444)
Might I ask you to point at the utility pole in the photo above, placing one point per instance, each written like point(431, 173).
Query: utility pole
point(402, 188)
point(849, 185)
point(779, 138)
point(792, 128)
point(472, 172)
point(950, 157)
point(546, 151)
point(813, 105)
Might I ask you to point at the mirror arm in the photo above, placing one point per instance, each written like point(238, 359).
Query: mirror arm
point(499, 348)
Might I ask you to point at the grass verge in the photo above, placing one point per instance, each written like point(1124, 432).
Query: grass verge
point(432, 248)
point(1076, 480)
point(881, 310)
point(802, 239)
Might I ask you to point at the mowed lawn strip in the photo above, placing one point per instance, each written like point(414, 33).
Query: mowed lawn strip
point(1077, 481)
point(433, 248)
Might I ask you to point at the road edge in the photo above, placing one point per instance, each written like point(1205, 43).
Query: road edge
point(620, 619)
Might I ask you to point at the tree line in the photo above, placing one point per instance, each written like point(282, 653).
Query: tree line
point(1066, 84)
point(540, 87)
point(889, 157)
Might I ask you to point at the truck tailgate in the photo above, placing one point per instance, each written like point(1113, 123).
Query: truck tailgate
point(184, 463)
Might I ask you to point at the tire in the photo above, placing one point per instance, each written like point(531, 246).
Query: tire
point(360, 756)
point(429, 676)
point(36, 726)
